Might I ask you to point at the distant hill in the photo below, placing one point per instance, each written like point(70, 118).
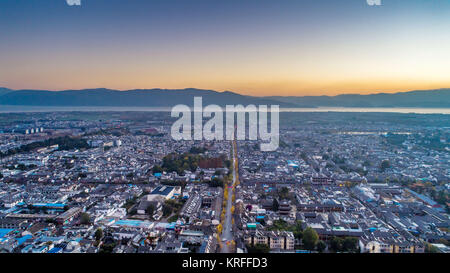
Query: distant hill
point(137, 98)
point(424, 98)
point(170, 97)
point(4, 91)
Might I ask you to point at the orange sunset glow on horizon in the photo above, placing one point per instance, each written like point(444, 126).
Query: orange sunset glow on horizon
point(257, 48)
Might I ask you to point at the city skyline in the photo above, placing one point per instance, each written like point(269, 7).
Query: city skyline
point(257, 48)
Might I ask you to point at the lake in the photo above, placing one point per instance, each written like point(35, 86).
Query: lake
point(30, 109)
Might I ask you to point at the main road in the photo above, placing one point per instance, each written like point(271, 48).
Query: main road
point(227, 233)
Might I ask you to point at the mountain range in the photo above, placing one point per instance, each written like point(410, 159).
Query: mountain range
point(439, 98)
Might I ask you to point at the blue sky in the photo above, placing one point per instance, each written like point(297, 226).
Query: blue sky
point(249, 46)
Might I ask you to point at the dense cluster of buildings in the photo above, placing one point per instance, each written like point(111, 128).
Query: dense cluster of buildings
point(348, 183)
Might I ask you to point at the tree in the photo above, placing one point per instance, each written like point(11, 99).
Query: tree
point(275, 205)
point(321, 246)
point(173, 218)
point(429, 248)
point(444, 241)
point(336, 244)
point(297, 229)
point(284, 193)
point(258, 248)
point(107, 247)
point(85, 219)
point(216, 182)
point(310, 238)
point(98, 234)
point(350, 244)
point(385, 164)
point(167, 210)
point(151, 209)
point(157, 169)
point(303, 156)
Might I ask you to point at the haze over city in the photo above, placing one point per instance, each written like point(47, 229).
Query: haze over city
point(258, 48)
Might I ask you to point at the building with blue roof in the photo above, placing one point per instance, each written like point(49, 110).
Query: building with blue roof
point(55, 250)
point(5, 231)
point(22, 239)
point(165, 191)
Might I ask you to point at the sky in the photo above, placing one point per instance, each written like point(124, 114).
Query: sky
point(253, 47)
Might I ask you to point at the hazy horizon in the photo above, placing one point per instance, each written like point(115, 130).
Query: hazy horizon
point(221, 91)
